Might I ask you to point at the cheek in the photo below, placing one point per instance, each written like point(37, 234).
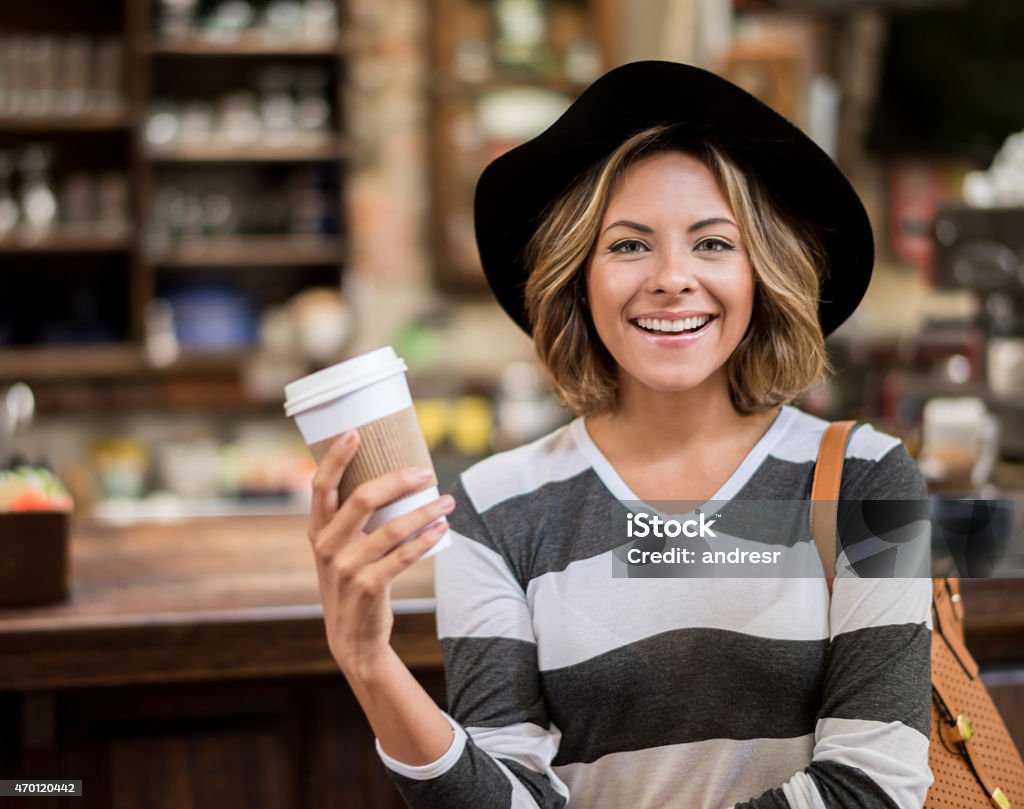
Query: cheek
point(606, 293)
point(743, 291)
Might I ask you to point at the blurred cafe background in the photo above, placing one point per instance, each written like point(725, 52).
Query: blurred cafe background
point(202, 200)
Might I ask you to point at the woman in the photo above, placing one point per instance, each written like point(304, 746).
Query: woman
point(677, 251)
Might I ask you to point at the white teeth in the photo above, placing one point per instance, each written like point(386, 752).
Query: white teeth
point(665, 325)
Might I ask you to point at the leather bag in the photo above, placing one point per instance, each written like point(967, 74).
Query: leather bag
point(971, 754)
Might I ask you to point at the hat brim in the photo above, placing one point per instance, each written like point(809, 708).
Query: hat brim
point(516, 188)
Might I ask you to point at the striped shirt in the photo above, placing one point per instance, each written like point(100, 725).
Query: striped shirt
point(570, 687)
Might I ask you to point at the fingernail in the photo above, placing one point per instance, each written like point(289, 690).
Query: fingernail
point(422, 473)
point(446, 501)
point(346, 438)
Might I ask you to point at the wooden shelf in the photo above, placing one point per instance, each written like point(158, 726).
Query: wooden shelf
point(58, 241)
point(54, 362)
point(458, 88)
point(91, 122)
point(206, 362)
point(245, 153)
point(111, 360)
point(118, 378)
point(835, 6)
point(251, 45)
point(252, 251)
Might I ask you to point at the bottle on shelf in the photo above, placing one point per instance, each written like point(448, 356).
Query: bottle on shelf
point(60, 76)
point(8, 207)
point(521, 41)
point(38, 202)
point(278, 24)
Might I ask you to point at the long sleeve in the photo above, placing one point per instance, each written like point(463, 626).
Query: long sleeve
point(872, 731)
point(503, 747)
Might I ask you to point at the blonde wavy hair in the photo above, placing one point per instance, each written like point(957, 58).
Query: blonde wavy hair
point(779, 359)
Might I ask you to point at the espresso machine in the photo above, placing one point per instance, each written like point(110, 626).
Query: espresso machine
point(982, 249)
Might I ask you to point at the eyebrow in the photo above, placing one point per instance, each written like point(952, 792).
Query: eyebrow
point(628, 224)
point(703, 223)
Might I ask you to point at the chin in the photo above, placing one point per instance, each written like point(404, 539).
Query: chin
point(673, 384)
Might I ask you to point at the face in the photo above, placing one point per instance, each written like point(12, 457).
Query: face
point(669, 283)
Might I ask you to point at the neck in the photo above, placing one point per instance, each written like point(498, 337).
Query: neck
point(658, 424)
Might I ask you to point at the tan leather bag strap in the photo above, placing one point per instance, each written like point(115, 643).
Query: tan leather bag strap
point(948, 630)
point(828, 474)
point(946, 688)
point(947, 614)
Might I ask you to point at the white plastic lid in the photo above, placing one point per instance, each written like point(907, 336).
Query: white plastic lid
point(341, 379)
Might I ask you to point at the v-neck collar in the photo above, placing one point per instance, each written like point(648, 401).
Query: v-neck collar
point(732, 486)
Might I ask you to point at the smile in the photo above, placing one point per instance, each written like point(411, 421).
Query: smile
point(682, 327)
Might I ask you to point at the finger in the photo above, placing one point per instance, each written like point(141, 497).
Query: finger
point(328, 477)
point(409, 552)
point(374, 494)
point(349, 520)
point(396, 531)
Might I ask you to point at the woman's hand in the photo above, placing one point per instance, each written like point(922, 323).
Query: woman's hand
point(356, 569)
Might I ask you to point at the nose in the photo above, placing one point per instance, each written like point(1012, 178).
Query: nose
point(673, 274)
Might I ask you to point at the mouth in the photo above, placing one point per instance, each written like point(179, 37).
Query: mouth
point(678, 327)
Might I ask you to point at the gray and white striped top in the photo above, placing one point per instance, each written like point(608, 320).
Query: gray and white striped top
point(568, 686)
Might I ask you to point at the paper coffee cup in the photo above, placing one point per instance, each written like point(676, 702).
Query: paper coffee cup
point(369, 392)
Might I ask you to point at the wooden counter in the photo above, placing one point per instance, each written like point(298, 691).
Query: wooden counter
point(190, 670)
point(209, 598)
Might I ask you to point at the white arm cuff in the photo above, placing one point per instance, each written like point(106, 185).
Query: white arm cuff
point(435, 769)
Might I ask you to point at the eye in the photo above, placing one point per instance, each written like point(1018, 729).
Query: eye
point(627, 246)
point(715, 245)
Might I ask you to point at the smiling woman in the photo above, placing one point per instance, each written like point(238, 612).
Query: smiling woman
point(678, 252)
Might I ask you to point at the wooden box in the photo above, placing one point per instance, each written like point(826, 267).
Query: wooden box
point(34, 557)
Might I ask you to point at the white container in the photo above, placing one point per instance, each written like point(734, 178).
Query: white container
point(369, 392)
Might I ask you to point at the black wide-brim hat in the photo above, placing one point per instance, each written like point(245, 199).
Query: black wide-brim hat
point(515, 190)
